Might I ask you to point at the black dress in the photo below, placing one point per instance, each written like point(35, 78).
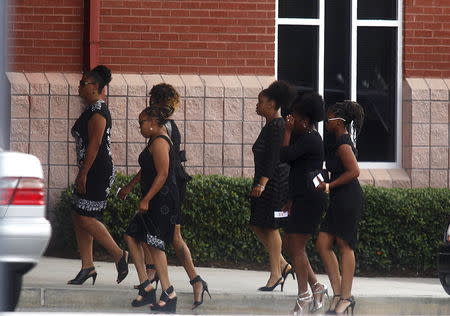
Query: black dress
point(179, 157)
point(305, 156)
point(266, 151)
point(346, 201)
point(156, 226)
point(101, 175)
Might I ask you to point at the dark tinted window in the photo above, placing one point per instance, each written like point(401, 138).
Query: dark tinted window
point(377, 9)
point(298, 9)
point(377, 92)
point(298, 56)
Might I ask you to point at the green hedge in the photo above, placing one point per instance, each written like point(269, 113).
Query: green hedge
point(400, 228)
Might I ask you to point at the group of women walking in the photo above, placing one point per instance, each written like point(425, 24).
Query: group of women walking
point(162, 181)
point(290, 191)
point(289, 155)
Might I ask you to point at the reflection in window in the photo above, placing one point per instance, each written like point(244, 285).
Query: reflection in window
point(377, 92)
point(379, 9)
point(298, 9)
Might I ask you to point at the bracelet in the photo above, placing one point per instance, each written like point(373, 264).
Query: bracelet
point(327, 188)
point(261, 186)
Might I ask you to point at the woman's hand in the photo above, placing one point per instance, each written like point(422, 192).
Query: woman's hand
point(257, 191)
point(321, 186)
point(80, 183)
point(289, 123)
point(287, 207)
point(123, 192)
point(144, 205)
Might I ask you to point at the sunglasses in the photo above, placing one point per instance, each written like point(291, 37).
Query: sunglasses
point(85, 83)
point(334, 119)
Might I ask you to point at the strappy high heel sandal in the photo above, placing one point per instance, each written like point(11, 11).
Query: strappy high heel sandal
point(155, 279)
point(148, 297)
point(271, 288)
point(204, 289)
point(170, 305)
point(286, 272)
point(318, 303)
point(122, 267)
point(303, 304)
point(83, 275)
point(330, 310)
point(351, 307)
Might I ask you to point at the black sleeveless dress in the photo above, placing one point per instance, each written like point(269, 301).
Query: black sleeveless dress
point(156, 226)
point(346, 201)
point(101, 175)
point(266, 152)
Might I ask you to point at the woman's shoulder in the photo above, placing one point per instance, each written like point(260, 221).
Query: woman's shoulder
point(344, 139)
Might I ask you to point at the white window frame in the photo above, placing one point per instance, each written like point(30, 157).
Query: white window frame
point(355, 23)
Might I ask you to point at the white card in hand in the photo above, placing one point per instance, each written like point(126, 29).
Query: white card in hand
point(316, 180)
point(280, 214)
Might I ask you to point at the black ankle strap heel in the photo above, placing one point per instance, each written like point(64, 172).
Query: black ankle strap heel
point(204, 289)
point(147, 297)
point(170, 305)
point(83, 275)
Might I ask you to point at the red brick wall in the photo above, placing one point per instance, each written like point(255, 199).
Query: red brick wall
point(200, 37)
point(427, 38)
point(45, 35)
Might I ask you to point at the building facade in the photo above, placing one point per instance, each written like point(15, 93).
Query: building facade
point(391, 56)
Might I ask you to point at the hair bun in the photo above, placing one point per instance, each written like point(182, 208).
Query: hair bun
point(104, 72)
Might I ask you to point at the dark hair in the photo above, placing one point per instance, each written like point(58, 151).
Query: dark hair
point(165, 95)
point(101, 75)
point(160, 113)
point(281, 92)
point(310, 106)
point(351, 112)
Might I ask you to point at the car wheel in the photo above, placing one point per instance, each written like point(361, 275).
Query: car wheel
point(445, 281)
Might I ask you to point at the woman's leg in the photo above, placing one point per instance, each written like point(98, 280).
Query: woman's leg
point(263, 239)
point(183, 253)
point(138, 258)
point(151, 273)
point(271, 240)
point(348, 270)
point(160, 261)
point(85, 243)
point(99, 232)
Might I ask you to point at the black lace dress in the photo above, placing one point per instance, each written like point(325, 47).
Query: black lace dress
point(156, 226)
point(346, 201)
point(101, 175)
point(266, 151)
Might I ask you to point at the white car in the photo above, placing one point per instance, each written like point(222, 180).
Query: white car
point(24, 230)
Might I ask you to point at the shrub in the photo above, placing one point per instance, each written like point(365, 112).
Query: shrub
point(400, 229)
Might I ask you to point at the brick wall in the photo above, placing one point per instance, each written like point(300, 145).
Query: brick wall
point(427, 38)
point(197, 37)
point(45, 35)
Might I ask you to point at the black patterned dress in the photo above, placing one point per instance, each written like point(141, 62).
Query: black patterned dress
point(266, 151)
point(156, 226)
point(101, 175)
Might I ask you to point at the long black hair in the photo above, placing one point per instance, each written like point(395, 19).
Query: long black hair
point(352, 113)
point(101, 75)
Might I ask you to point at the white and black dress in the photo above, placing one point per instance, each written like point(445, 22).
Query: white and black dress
point(101, 175)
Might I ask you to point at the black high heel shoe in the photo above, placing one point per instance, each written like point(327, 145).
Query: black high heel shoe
point(286, 272)
point(83, 275)
point(271, 288)
point(205, 289)
point(331, 311)
point(122, 267)
point(147, 297)
point(352, 301)
point(170, 305)
point(155, 279)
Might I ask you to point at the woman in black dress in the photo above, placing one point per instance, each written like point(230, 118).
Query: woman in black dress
point(165, 96)
point(270, 183)
point(306, 205)
point(92, 133)
point(340, 225)
point(154, 224)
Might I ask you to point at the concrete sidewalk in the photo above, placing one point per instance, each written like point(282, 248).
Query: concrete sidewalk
point(233, 291)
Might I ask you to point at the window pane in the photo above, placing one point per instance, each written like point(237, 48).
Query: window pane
point(337, 51)
point(298, 56)
point(379, 9)
point(377, 92)
point(298, 9)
